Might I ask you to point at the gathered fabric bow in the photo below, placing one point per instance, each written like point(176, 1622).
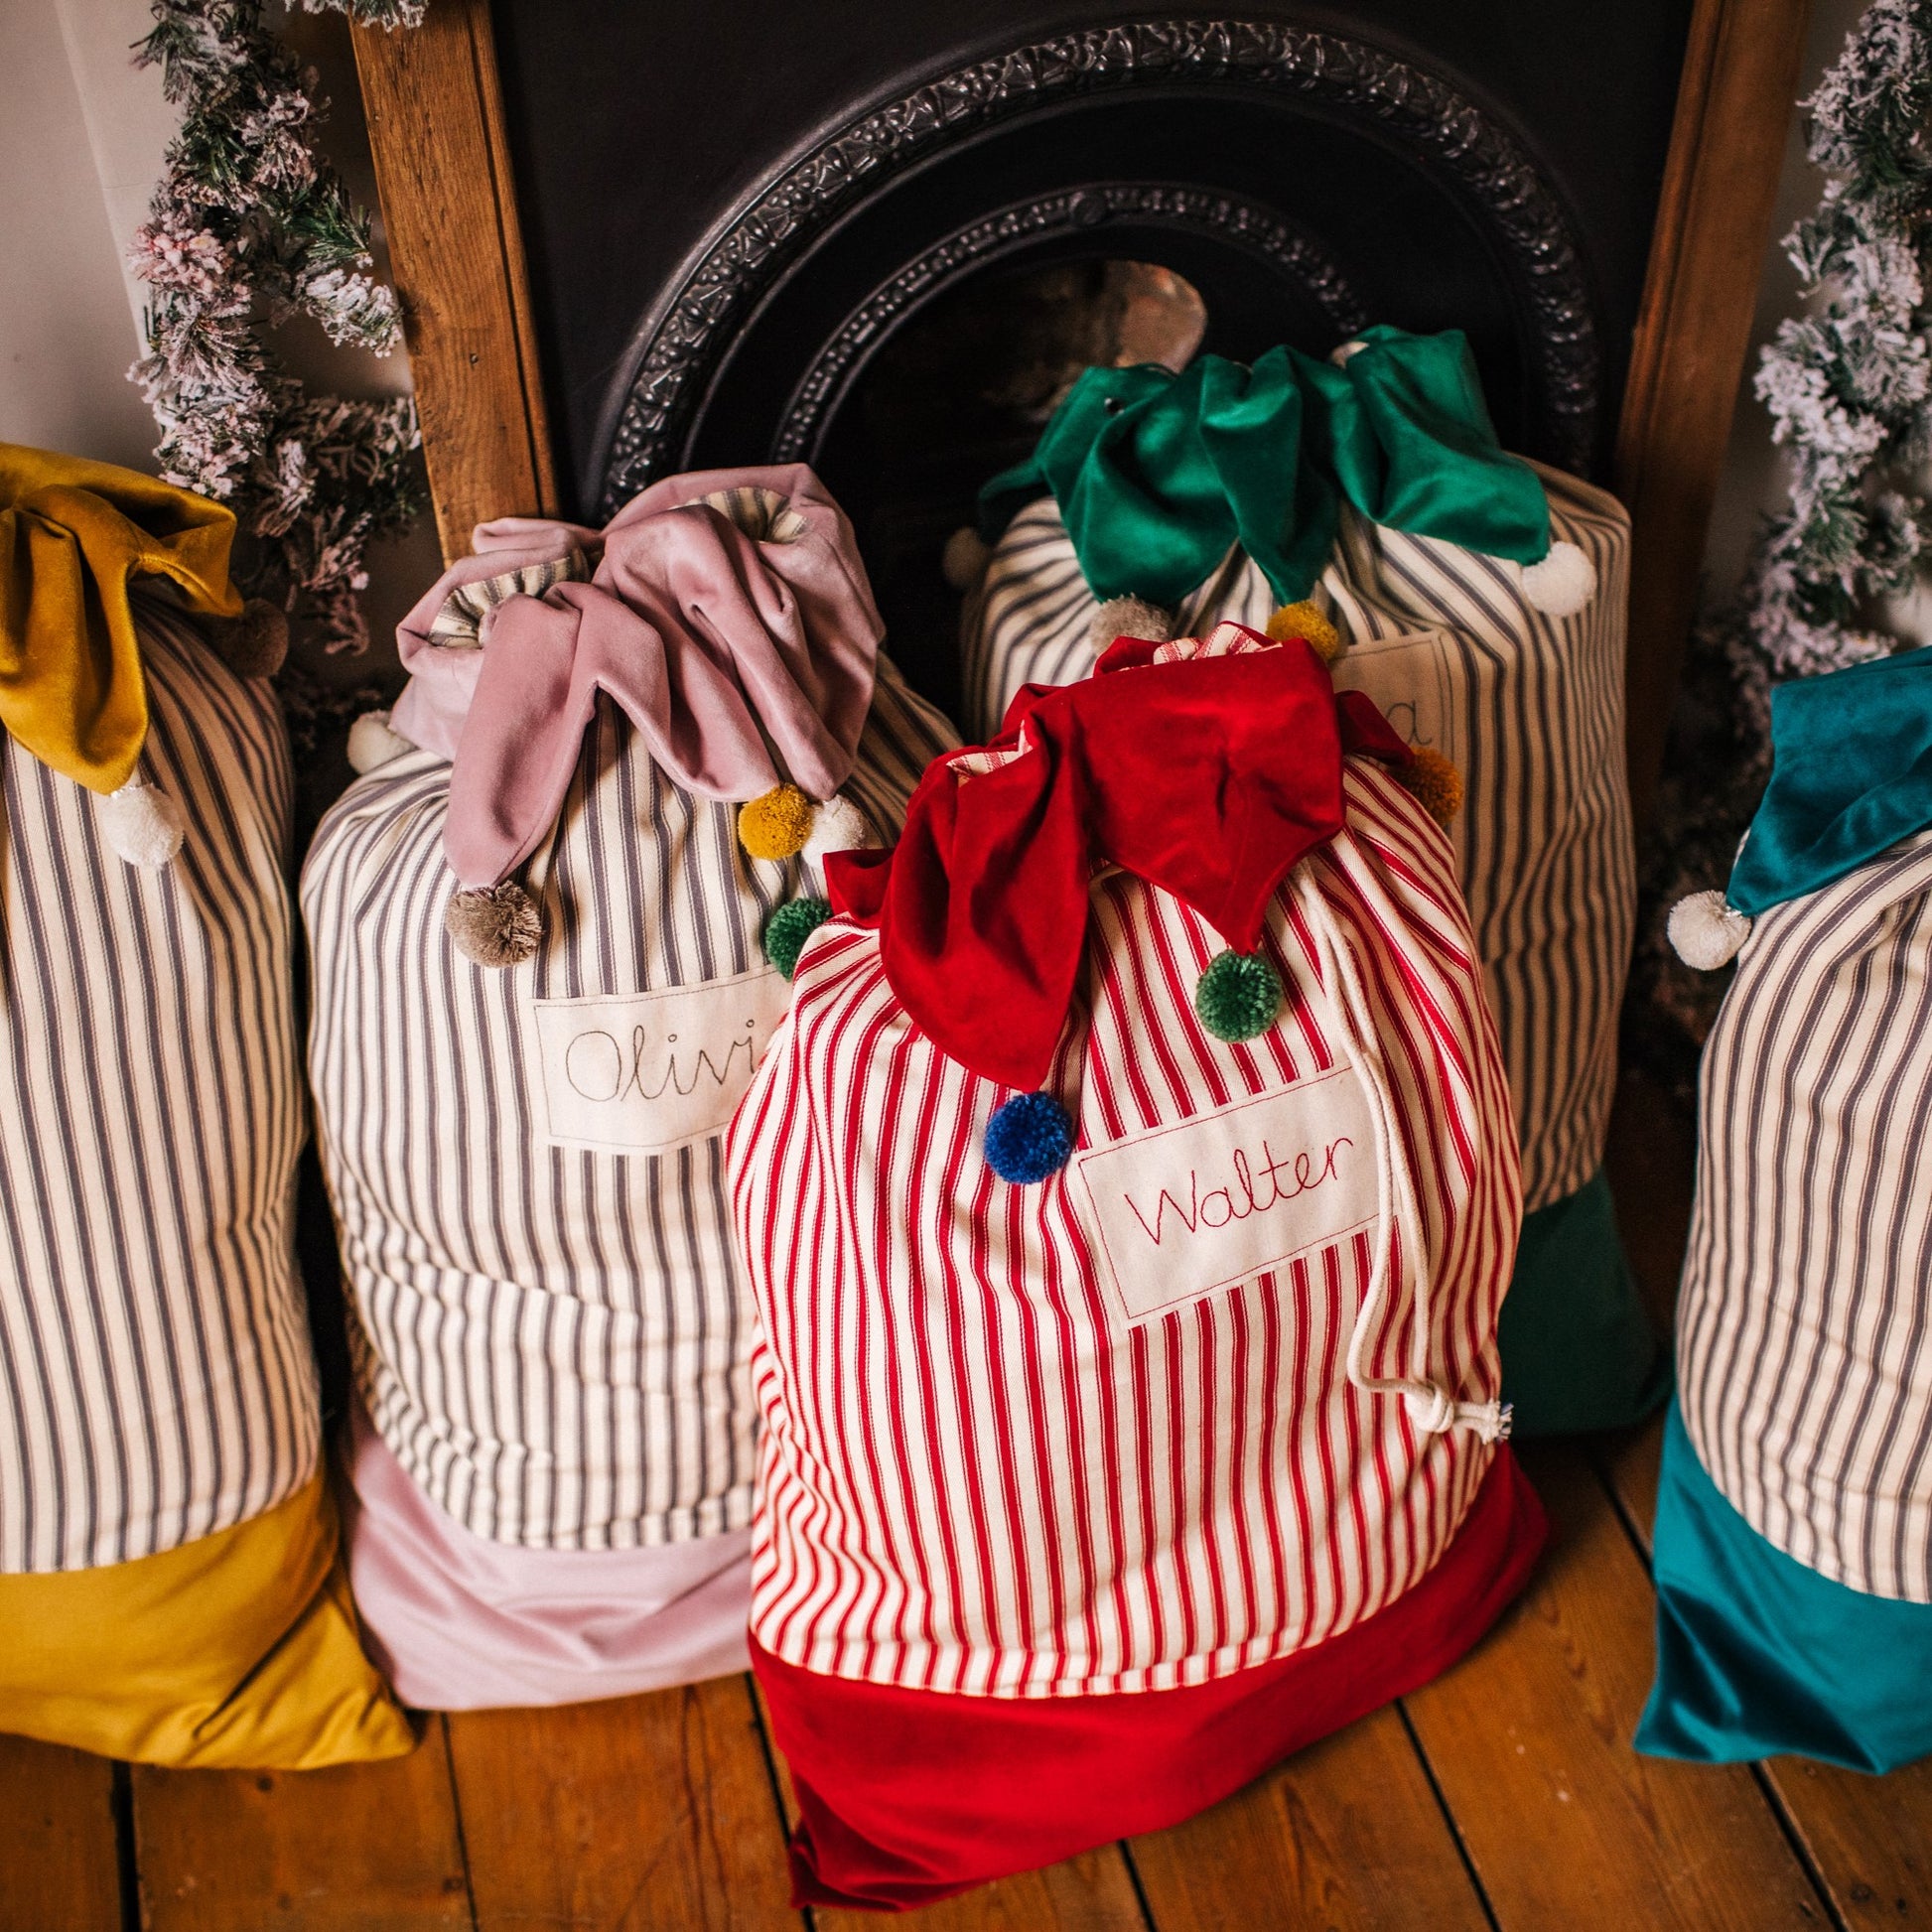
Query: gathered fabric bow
point(1158, 475)
point(1210, 778)
point(726, 612)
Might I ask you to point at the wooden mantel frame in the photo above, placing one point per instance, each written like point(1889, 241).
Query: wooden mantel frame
point(436, 124)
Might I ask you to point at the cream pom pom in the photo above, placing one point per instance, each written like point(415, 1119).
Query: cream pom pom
point(1706, 932)
point(1562, 584)
point(840, 826)
point(1128, 617)
point(963, 561)
point(143, 824)
point(372, 744)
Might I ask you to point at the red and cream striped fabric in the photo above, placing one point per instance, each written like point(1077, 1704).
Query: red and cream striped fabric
point(981, 1474)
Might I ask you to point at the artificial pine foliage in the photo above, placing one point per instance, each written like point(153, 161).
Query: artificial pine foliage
point(248, 227)
point(1849, 392)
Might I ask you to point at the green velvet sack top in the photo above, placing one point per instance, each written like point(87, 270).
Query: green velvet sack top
point(1850, 777)
point(1157, 474)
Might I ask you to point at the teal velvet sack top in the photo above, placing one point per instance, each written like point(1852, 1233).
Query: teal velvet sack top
point(1850, 776)
point(1157, 474)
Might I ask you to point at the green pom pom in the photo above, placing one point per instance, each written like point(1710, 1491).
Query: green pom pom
point(787, 929)
point(1238, 996)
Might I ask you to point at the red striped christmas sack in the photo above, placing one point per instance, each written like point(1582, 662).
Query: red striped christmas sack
point(1127, 1200)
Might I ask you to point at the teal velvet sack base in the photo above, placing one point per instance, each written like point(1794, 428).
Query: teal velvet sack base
point(1759, 1655)
point(1578, 1352)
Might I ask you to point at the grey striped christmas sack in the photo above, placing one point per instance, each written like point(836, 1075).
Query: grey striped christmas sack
point(1805, 1318)
point(525, 1160)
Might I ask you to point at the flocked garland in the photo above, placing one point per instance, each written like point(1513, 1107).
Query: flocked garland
point(1848, 387)
point(249, 227)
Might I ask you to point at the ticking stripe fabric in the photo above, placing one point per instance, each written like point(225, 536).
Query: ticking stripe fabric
point(156, 1381)
point(1527, 706)
point(1805, 1319)
point(549, 1327)
point(978, 1475)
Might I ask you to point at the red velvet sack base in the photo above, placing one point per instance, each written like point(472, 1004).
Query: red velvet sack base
point(906, 1797)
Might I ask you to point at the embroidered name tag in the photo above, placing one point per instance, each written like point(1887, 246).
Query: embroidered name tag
point(1185, 1211)
point(650, 1072)
point(1410, 677)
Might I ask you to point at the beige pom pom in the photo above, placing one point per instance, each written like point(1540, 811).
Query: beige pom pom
point(964, 560)
point(254, 645)
point(494, 925)
point(142, 824)
point(838, 826)
point(1128, 617)
point(372, 745)
point(1706, 930)
point(1562, 584)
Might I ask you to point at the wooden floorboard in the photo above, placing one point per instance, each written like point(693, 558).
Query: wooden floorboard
point(1529, 1741)
point(57, 1862)
point(653, 1811)
point(1346, 1835)
point(366, 1847)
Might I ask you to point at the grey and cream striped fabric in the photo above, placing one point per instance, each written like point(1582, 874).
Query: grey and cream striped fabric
point(1529, 707)
point(156, 1381)
point(1804, 1326)
point(550, 1334)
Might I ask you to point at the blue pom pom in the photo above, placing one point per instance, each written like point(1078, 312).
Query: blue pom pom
point(1029, 1138)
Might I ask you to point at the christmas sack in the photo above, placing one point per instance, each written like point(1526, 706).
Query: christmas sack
point(1793, 1541)
point(171, 1586)
point(1127, 1201)
point(1363, 504)
point(551, 928)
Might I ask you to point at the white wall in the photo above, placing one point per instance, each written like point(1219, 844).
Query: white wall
point(81, 138)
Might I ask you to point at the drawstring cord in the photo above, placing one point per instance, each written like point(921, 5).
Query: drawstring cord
point(1432, 1408)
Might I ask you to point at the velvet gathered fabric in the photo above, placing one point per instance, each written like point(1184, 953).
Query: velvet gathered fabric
point(906, 1797)
point(1850, 776)
point(1157, 474)
point(460, 1624)
point(1759, 1655)
point(1210, 778)
point(743, 662)
point(1579, 1352)
point(72, 533)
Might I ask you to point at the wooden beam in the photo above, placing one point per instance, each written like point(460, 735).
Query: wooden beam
point(441, 168)
point(1733, 106)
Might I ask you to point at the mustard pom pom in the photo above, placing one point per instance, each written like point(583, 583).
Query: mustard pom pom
point(1435, 783)
point(777, 824)
point(1305, 621)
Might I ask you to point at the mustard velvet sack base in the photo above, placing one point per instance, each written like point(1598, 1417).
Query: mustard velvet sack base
point(237, 1650)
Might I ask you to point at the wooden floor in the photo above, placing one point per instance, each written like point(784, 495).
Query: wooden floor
point(1504, 1795)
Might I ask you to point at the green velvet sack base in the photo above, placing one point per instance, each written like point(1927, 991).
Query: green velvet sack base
point(1757, 1655)
point(1578, 1352)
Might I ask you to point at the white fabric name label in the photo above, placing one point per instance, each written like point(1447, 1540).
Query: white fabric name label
point(1185, 1211)
point(650, 1072)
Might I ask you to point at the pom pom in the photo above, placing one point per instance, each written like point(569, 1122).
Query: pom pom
point(787, 929)
point(142, 824)
point(1706, 932)
point(372, 744)
point(1562, 584)
point(494, 925)
point(1128, 617)
point(964, 560)
point(1238, 996)
point(1029, 1138)
point(837, 826)
point(1309, 623)
point(777, 824)
point(1434, 782)
point(254, 643)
